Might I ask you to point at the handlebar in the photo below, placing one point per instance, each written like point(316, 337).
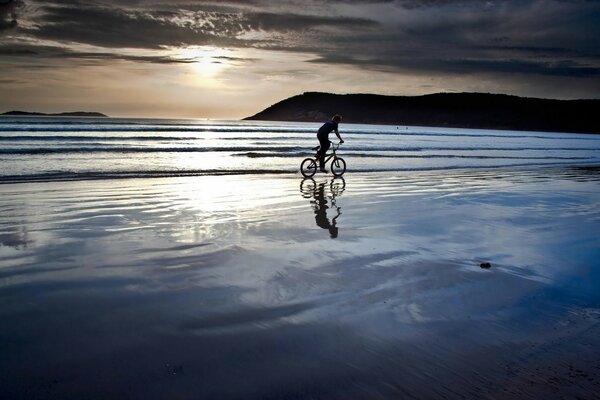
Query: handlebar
point(337, 145)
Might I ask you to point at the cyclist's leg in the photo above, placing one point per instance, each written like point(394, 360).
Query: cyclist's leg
point(324, 147)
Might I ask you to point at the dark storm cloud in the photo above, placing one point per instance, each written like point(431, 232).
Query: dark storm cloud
point(298, 23)
point(548, 38)
point(564, 68)
point(9, 13)
point(117, 27)
point(542, 37)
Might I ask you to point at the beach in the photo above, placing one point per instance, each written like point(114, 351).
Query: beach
point(271, 286)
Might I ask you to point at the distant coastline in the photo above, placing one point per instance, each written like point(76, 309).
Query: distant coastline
point(459, 110)
point(63, 114)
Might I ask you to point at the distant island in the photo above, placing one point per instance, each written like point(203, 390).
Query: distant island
point(63, 114)
point(461, 110)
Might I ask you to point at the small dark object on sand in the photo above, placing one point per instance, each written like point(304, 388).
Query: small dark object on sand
point(485, 265)
point(174, 369)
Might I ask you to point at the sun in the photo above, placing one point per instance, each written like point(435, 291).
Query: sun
point(206, 61)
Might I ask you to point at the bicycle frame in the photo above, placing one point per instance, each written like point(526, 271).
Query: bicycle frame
point(334, 147)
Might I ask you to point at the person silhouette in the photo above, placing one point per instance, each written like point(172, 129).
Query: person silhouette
point(321, 207)
point(323, 136)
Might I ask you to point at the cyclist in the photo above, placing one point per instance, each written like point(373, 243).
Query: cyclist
point(323, 136)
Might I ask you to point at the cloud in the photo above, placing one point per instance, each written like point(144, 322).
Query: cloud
point(380, 32)
point(58, 53)
point(499, 38)
point(115, 27)
point(9, 13)
point(296, 22)
point(118, 28)
point(534, 37)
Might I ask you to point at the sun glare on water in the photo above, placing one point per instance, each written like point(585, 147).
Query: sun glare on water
point(207, 62)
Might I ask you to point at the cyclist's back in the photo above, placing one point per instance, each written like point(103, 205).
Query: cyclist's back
point(326, 129)
point(323, 136)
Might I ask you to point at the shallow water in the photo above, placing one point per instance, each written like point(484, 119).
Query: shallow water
point(275, 287)
point(33, 149)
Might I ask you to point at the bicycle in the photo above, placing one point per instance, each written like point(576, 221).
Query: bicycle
point(308, 167)
point(337, 186)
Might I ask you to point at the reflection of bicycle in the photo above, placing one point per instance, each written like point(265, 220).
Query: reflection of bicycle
point(307, 187)
point(336, 187)
point(322, 201)
point(338, 166)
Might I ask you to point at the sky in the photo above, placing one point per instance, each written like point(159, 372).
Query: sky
point(231, 59)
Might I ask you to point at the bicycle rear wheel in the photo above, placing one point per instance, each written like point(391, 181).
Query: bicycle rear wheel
point(307, 187)
point(338, 166)
point(308, 167)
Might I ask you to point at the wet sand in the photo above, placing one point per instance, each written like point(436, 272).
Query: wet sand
point(274, 287)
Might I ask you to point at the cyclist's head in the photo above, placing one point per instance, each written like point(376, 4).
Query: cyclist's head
point(333, 232)
point(337, 118)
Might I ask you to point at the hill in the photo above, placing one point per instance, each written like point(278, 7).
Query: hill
point(63, 114)
point(464, 110)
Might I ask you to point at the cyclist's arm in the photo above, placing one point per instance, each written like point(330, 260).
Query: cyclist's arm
point(339, 137)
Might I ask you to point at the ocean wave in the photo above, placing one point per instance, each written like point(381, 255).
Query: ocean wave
point(427, 134)
point(123, 149)
point(147, 148)
point(288, 130)
point(136, 174)
point(424, 156)
point(5, 120)
point(75, 138)
point(256, 151)
point(174, 129)
point(94, 175)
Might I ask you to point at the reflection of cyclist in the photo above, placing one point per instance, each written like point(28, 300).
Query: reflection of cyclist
point(321, 212)
point(323, 136)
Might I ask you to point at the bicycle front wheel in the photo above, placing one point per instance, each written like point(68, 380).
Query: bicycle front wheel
point(308, 167)
point(307, 187)
point(338, 166)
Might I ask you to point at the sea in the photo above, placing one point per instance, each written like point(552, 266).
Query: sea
point(56, 148)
